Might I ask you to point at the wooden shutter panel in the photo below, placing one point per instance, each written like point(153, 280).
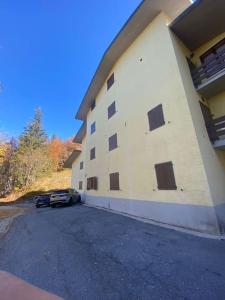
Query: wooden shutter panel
point(165, 176)
point(80, 185)
point(92, 183)
point(93, 105)
point(88, 184)
point(156, 117)
point(110, 81)
point(113, 142)
point(114, 181)
point(92, 153)
point(95, 183)
point(111, 110)
point(93, 128)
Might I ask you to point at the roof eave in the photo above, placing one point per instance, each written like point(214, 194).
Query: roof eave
point(70, 160)
point(142, 16)
point(200, 23)
point(80, 134)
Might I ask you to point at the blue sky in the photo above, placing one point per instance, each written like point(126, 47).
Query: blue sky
point(49, 51)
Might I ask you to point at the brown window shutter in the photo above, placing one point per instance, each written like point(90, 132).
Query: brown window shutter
point(114, 181)
point(165, 176)
point(111, 110)
point(110, 81)
point(156, 117)
point(93, 127)
point(93, 105)
point(80, 185)
point(113, 142)
point(92, 154)
point(88, 184)
point(95, 183)
point(92, 183)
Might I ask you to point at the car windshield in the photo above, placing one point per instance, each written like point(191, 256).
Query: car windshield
point(43, 197)
point(61, 192)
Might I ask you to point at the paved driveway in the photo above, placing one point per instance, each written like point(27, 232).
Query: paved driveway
point(85, 253)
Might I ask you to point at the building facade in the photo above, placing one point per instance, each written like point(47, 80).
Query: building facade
point(153, 132)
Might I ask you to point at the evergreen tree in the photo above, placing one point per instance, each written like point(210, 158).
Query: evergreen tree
point(31, 160)
point(33, 136)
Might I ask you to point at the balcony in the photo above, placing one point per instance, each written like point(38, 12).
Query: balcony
point(216, 132)
point(209, 78)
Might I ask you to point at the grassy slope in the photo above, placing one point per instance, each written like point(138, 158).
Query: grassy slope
point(58, 180)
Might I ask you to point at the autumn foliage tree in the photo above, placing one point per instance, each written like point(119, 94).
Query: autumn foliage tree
point(31, 157)
point(59, 151)
point(25, 160)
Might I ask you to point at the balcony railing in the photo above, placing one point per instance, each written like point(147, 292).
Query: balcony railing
point(216, 129)
point(206, 71)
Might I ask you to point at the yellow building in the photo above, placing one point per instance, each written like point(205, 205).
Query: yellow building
point(153, 133)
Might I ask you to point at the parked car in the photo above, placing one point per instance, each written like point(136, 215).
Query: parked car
point(64, 197)
point(42, 200)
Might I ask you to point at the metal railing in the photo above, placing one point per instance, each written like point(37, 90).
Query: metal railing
point(209, 69)
point(216, 128)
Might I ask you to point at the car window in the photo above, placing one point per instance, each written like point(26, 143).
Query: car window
point(61, 192)
point(43, 197)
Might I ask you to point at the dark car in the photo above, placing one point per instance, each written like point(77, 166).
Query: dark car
point(43, 200)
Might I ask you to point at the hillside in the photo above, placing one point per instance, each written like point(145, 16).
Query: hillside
point(57, 180)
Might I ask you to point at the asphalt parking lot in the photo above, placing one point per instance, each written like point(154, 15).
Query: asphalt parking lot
point(85, 253)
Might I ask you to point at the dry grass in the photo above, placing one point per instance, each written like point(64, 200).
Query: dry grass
point(58, 180)
point(5, 213)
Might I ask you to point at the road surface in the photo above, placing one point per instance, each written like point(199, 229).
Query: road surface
point(84, 253)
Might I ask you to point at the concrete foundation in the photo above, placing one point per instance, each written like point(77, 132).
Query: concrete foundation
point(205, 219)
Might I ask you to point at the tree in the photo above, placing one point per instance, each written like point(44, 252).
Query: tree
point(33, 136)
point(31, 160)
point(59, 151)
point(7, 168)
point(55, 149)
point(3, 150)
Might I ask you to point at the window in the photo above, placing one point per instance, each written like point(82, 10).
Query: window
point(81, 165)
point(93, 105)
point(92, 183)
point(92, 154)
point(80, 185)
point(110, 81)
point(156, 117)
point(113, 142)
point(111, 110)
point(114, 181)
point(165, 176)
point(93, 128)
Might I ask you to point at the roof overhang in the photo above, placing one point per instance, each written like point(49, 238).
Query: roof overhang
point(138, 21)
point(81, 133)
point(73, 156)
point(200, 23)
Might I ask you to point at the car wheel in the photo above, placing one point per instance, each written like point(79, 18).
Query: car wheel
point(37, 206)
point(52, 206)
point(79, 199)
point(71, 201)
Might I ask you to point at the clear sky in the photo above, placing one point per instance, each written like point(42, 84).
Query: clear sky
point(49, 51)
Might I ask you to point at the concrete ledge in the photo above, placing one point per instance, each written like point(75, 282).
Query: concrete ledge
point(189, 217)
point(220, 212)
point(167, 226)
